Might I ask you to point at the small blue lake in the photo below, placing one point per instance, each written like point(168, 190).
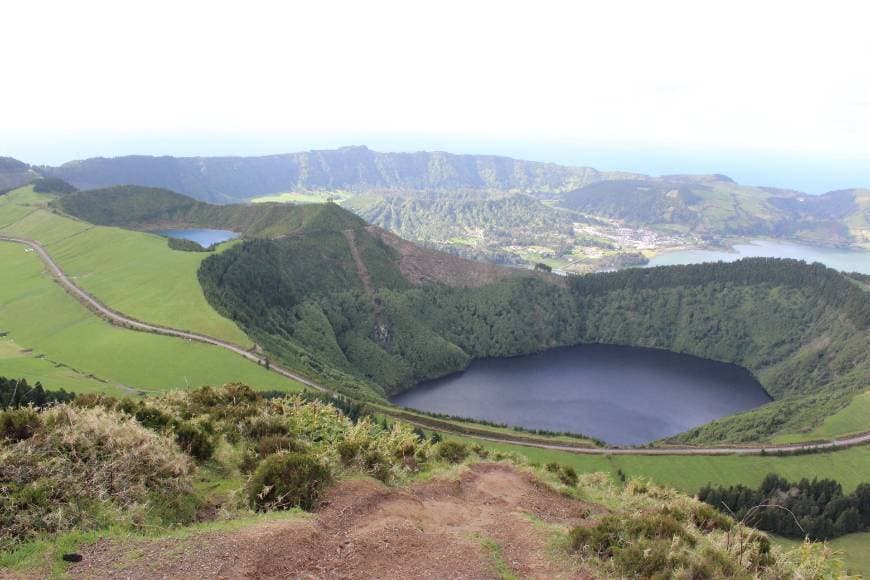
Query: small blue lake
point(204, 238)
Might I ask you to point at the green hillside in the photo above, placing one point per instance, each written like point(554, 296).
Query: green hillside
point(719, 207)
point(223, 179)
point(14, 173)
point(801, 329)
point(143, 477)
point(457, 201)
point(487, 226)
point(149, 208)
point(133, 272)
point(371, 314)
point(48, 336)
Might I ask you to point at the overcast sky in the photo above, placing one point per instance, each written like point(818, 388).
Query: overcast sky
point(777, 78)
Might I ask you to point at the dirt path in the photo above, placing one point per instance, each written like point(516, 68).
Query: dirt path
point(463, 526)
point(120, 319)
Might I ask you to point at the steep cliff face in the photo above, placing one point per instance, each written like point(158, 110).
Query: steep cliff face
point(351, 168)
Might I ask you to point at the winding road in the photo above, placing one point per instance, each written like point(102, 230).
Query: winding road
point(119, 319)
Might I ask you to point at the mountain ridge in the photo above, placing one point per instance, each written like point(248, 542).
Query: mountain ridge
point(690, 210)
point(356, 167)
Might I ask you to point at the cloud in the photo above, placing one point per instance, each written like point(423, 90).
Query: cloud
point(767, 75)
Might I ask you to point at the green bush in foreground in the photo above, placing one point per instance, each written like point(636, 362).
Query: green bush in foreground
point(84, 468)
point(18, 424)
point(453, 451)
point(287, 480)
point(194, 440)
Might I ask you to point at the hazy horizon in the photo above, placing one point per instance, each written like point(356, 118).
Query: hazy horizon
point(811, 175)
point(774, 93)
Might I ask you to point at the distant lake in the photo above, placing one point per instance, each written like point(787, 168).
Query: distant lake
point(621, 395)
point(204, 238)
point(845, 260)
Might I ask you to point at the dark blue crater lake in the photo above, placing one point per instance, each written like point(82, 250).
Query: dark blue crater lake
point(621, 395)
point(204, 238)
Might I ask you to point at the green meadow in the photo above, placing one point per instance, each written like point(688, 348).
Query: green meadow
point(66, 346)
point(337, 196)
point(689, 473)
point(133, 272)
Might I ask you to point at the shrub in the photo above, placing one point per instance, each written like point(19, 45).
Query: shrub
point(85, 468)
point(18, 424)
point(152, 418)
point(348, 451)
point(645, 560)
point(91, 400)
point(271, 444)
point(287, 480)
point(579, 537)
point(708, 518)
point(452, 451)
point(376, 465)
point(184, 245)
point(263, 426)
point(194, 440)
point(480, 451)
point(618, 531)
point(568, 476)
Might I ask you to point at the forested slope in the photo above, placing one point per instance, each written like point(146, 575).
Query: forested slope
point(372, 314)
point(801, 329)
point(137, 207)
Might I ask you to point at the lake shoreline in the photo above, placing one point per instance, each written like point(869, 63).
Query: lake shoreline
point(578, 389)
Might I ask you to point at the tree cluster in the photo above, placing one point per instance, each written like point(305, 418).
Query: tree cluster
point(16, 393)
point(817, 508)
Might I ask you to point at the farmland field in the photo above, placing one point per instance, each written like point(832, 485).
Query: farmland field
point(689, 473)
point(133, 272)
point(66, 346)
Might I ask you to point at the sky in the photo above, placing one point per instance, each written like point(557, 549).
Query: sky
point(774, 93)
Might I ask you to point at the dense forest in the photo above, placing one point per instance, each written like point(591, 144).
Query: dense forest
point(146, 208)
point(801, 329)
point(818, 508)
point(53, 185)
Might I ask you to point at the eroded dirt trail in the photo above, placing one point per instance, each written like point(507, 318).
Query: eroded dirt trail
point(365, 530)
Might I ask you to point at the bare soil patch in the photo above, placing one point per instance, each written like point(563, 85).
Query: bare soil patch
point(420, 265)
point(366, 530)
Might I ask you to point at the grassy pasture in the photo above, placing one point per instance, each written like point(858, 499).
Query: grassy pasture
point(303, 197)
point(133, 272)
point(689, 473)
point(41, 320)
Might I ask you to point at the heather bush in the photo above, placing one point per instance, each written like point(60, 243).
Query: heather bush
point(194, 440)
point(18, 424)
point(82, 468)
point(275, 443)
point(287, 480)
point(568, 476)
